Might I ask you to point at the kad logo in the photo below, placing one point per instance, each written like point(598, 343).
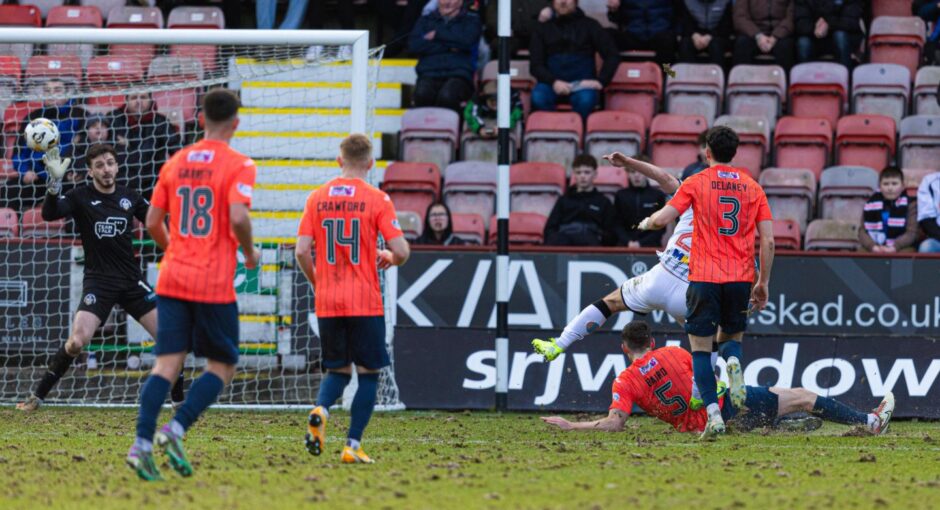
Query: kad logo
point(111, 227)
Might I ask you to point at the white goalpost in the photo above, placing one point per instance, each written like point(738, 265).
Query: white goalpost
point(302, 91)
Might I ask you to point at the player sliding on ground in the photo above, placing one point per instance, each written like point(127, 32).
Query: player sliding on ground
point(342, 220)
point(104, 214)
point(660, 382)
point(206, 191)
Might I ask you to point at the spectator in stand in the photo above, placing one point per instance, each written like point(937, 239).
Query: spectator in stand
point(701, 163)
point(889, 221)
point(706, 29)
point(26, 189)
point(764, 27)
point(445, 42)
point(928, 212)
point(648, 25)
point(561, 54)
point(146, 139)
point(438, 227)
point(480, 112)
point(526, 15)
point(583, 216)
point(266, 11)
point(929, 11)
point(634, 203)
point(827, 26)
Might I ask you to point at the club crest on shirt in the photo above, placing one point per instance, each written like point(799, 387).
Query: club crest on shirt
point(200, 156)
point(648, 366)
point(729, 175)
point(616, 396)
point(89, 299)
point(125, 204)
point(342, 191)
point(396, 224)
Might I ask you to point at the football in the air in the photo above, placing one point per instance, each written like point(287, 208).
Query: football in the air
point(41, 135)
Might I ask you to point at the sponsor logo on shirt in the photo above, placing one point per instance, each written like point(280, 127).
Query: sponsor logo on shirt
point(342, 191)
point(125, 204)
point(729, 175)
point(396, 224)
point(244, 189)
point(95, 202)
point(616, 397)
point(111, 227)
point(648, 366)
point(200, 156)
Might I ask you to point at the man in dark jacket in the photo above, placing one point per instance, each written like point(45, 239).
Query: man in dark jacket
point(827, 25)
point(146, 139)
point(765, 27)
point(632, 205)
point(706, 28)
point(644, 25)
point(583, 216)
point(561, 55)
point(444, 42)
point(526, 14)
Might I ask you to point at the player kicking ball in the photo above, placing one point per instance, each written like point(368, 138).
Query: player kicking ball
point(660, 382)
point(104, 214)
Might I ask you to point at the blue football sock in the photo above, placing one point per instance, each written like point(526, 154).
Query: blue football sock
point(831, 409)
point(705, 377)
point(152, 395)
point(731, 348)
point(362, 405)
point(201, 395)
point(331, 388)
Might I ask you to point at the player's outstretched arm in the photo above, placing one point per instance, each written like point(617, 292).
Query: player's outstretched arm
point(614, 422)
point(241, 227)
point(668, 183)
point(659, 219)
point(304, 255)
point(396, 254)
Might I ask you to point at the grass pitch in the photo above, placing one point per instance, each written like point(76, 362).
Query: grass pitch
point(74, 458)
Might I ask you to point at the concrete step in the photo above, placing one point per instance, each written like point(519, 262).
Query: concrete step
point(294, 144)
point(242, 69)
point(314, 119)
point(307, 171)
point(285, 94)
point(276, 224)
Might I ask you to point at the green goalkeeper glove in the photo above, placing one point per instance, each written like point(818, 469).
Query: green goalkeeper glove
point(547, 348)
point(54, 165)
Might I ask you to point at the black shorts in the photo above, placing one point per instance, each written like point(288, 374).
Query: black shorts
point(710, 305)
point(359, 340)
point(100, 295)
point(209, 330)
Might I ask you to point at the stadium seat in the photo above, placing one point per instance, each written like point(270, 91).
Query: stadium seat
point(469, 227)
point(520, 78)
point(919, 142)
point(612, 130)
point(882, 89)
point(757, 91)
point(890, 8)
point(865, 140)
point(474, 147)
point(35, 226)
point(791, 193)
point(913, 176)
point(786, 235)
point(413, 186)
point(819, 89)
point(411, 223)
point(470, 187)
point(196, 17)
point(610, 180)
point(552, 136)
point(803, 143)
point(111, 73)
point(696, 89)
point(178, 105)
point(524, 228)
point(10, 74)
point(898, 40)
point(430, 135)
point(9, 222)
point(42, 68)
point(925, 91)
point(19, 16)
point(674, 139)
point(636, 87)
point(73, 17)
point(754, 141)
point(135, 17)
point(13, 117)
point(832, 235)
point(535, 187)
point(843, 191)
point(45, 6)
point(105, 6)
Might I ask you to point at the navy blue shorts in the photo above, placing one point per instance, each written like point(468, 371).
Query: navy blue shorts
point(209, 330)
point(762, 405)
point(710, 305)
point(359, 340)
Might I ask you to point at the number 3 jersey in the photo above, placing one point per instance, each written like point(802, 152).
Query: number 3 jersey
point(196, 187)
point(344, 217)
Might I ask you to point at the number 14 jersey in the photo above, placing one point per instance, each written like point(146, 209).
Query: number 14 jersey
point(344, 217)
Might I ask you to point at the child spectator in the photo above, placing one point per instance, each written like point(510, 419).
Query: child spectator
point(889, 221)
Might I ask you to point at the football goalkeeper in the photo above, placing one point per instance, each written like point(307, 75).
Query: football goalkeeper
point(104, 214)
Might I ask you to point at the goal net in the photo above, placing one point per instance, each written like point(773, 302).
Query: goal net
point(139, 90)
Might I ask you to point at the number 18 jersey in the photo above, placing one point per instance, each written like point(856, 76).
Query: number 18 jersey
point(344, 217)
point(196, 187)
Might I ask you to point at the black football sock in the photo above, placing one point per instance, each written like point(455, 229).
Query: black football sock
point(176, 394)
point(59, 366)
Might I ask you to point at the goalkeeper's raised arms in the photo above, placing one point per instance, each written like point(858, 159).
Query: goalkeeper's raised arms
point(56, 166)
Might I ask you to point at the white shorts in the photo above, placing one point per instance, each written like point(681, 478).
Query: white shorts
point(656, 289)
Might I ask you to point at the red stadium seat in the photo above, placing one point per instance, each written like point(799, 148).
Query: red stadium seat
point(636, 87)
point(42, 68)
point(610, 130)
point(13, 117)
point(9, 222)
point(610, 180)
point(111, 73)
point(430, 135)
point(413, 186)
point(882, 89)
point(696, 89)
point(534, 187)
point(890, 8)
point(674, 139)
point(552, 136)
point(843, 191)
point(205, 53)
point(925, 91)
point(105, 6)
point(470, 187)
point(178, 105)
point(803, 143)
point(524, 228)
point(786, 235)
point(19, 16)
point(913, 176)
point(919, 143)
point(135, 17)
point(757, 91)
point(196, 17)
point(9, 79)
point(469, 227)
point(833, 235)
point(45, 6)
point(35, 226)
point(819, 89)
point(897, 39)
point(791, 193)
point(74, 16)
point(754, 137)
point(865, 140)
point(411, 223)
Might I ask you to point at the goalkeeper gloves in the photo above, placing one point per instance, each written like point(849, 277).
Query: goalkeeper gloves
point(56, 166)
point(547, 348)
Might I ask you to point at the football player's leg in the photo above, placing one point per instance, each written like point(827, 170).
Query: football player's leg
point(735, 298)
point(830, 409)
point(149, 322)
point(337, 365)
point(591, 318)
point(370, 355)
point(702, 317)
